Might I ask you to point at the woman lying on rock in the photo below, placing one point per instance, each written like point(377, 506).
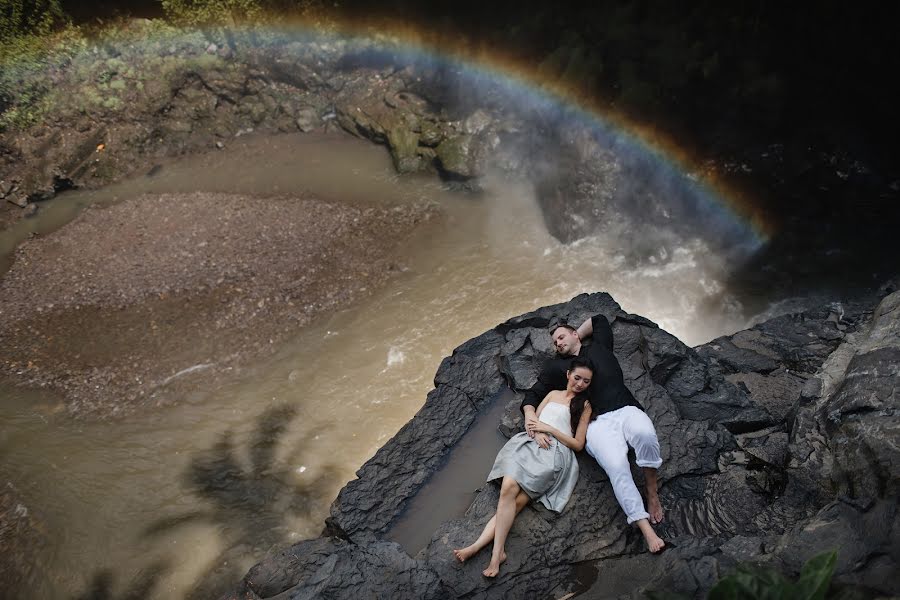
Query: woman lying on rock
point(543, 467)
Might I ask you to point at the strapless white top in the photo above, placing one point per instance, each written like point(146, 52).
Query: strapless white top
point(557, 415)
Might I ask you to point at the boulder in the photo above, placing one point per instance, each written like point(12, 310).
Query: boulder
point(736, 482)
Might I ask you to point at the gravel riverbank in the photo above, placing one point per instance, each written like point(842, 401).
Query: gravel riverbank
point(137, 304)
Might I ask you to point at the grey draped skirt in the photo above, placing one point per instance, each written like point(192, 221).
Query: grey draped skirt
point(548, 476)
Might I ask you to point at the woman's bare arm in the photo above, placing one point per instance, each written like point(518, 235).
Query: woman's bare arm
point(576, 443)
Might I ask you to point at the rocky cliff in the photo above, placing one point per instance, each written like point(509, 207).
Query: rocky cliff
point(778, 442)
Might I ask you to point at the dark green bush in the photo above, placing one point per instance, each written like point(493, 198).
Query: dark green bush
point(213, 12)
point(23, 18)
point(25, 41)
point(750, 582)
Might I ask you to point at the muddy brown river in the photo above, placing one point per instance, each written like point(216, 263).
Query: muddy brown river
point(192, 495)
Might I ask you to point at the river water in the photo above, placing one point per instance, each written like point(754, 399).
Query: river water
point(183, 500)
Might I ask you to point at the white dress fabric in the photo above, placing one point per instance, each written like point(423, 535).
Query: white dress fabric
point(547, 475)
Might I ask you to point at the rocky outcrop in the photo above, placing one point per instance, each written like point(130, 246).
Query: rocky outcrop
point(778, 442)
point(134, 103)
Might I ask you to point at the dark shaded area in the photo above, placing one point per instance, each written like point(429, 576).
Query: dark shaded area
point(92, 12)
point(102, 585)
point(786, 102)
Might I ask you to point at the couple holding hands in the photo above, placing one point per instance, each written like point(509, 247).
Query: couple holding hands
point(580, 401)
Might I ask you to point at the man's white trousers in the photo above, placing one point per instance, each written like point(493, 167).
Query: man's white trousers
point(608, 438)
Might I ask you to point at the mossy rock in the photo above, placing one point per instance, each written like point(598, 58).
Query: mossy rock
point(455, 156)
point(431, 133)
point(404, 144)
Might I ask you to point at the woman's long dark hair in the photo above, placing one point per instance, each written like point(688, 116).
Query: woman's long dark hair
point(576, 407)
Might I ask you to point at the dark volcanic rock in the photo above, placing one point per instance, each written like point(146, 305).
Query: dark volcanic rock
point(861, 417)
point(760, 465)
point(334, 568)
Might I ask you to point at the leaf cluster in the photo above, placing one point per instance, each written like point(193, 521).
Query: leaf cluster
point(24, 18)
point(231, 13)
point(213, 12)
point(28, 37)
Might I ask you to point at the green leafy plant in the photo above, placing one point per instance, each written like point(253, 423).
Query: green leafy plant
point(212, 12)
point(27, 34)
point(19, 18)
point(750, 582)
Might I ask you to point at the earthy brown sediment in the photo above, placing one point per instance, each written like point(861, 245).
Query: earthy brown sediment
point(133, 305)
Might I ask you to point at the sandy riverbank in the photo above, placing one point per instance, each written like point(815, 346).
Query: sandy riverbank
point(141, 303)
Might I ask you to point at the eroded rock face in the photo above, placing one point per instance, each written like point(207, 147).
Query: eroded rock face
point(771, 471)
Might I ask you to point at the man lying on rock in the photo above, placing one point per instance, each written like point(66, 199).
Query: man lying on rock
point(617, 420)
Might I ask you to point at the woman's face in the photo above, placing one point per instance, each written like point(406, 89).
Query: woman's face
point(579, 378)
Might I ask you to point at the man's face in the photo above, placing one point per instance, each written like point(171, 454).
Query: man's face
point(565, 340)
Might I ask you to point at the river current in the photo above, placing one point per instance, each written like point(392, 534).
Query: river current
point(184, 499)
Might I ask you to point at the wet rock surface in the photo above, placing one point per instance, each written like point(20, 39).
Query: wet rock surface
point(113, 310)
point(761, 473)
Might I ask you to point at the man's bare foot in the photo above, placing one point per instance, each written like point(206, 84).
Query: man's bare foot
point(493, 569)
point(655, 509)
point(464, 554)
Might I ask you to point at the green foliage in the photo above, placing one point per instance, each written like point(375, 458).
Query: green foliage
point(22, 18)
point(230, 13)
point(749, 582)
point(26, 37)
point(213, 12)
point(815, 577)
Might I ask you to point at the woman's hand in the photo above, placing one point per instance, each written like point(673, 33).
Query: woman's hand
point(543, 440)
point(541, 427)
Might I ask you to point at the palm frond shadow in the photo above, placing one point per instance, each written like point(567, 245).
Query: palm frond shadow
point(249, 500)
point(101, 587)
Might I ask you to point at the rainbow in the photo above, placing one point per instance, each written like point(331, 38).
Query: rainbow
point(732, 211)
point(725, 201)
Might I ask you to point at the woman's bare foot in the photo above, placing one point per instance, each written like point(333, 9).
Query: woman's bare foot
point(464, 554)
point(493, 569)
point(654, 542)
point(655, 509)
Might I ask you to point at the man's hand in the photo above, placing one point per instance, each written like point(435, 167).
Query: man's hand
point(531, 421)
point(543, 440)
